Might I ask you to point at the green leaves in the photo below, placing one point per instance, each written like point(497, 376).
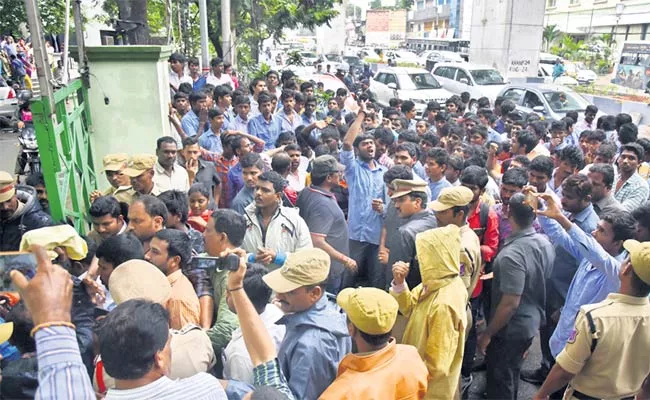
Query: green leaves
point(52, 16)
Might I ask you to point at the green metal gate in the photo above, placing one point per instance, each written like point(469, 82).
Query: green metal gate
point(66, 151)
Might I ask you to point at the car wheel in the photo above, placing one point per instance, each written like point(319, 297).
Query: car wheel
point(473, 106)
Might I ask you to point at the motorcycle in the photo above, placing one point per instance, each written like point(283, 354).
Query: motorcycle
point(28, 155)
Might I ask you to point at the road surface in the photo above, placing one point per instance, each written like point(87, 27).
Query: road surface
point(8, 151)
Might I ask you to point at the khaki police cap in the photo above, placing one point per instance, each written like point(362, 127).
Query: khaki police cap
point(115, 162)
point(7, 186)
point(452, 197)
point(302, 268)
point(139, 279)
point(403, 187)
point(371, 310)
point(640, 258)
point(138, 164)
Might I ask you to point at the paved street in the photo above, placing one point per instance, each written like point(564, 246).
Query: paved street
point(8, 151)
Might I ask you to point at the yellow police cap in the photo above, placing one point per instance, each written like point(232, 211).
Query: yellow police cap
point(302, 268)
point(452, 197)
point(139, 163)
point(640, 257)
point(7, 186)
point(371, 310)
point(115, 162)
point(402, 187)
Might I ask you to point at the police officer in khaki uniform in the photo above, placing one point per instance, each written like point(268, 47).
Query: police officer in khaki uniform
point(114, 165)
point(141, 171)
point(607, 355)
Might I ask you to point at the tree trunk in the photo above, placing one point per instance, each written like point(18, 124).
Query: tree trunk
point(133, 16)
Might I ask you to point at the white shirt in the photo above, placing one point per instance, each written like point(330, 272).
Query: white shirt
point(200, 386)
point(177, 180)
point(225, 79)
point(297, 179)
point(175, 80)
point(237, 362)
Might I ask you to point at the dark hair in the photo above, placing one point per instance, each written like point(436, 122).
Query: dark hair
point(419, 195)
point(515, 177)
point(285, 137)
point(215, 112)
point(430, 138)
point(35, 179)
point(190, 141)
point(292, 147)
point(375, 340)
point(256, 290)
point(196, 96)
point(474, 175)
point(609, 123)
point(568, 122)
point(507, 106)
point(186, 88)
point(341, 92)
point(362, 138)
point(407, 106)
point(645, 143)
point(622, 119)
point(281, 162)
point(180, 95)
point(598, 135)
point(398, 172)
point(287, 94)
point(607, 171)
point(528, 139)
point(384, 135)
point(241, 100)
point(635, 148)
point(640, 287)
point(521, 213)
point(440, 156)
point(623, 223)
point(642, 214)
point(591, 109)
point(153, 206)
point(120, 248)
point(276, 179)
point(523, 160)
point(176, 202)
point(130, 336)
point(178, 244)
point(456, 162)
point(433, 106)
point(165, 139)
point(442, 116)
point(306, 85)
point(578, 184)
point(193, 61)
point(408, 147)
point(23, 325)
point(231, 223)
point(627, 133)
point(252, 160)
point(264, 97)
point(543, 164)
point(572, 155)
point(199, 188)
point(483, 102)
point(409, 136)
point(105, 205)
point(558, 126)
point(222, 91)
point(176, 56)
point(236, 143)
point(480, 130)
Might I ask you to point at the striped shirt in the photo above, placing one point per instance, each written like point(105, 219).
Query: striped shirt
point(201, 386)
point(61, 373)
point(183, 304)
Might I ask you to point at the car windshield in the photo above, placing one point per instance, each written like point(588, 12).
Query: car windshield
point(331, 57)
point(487, 77)
point(308, 54)
point(421, 81)
point(565, 101)
point(352, 60)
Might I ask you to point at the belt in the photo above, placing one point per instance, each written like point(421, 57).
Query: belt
point(582, 396)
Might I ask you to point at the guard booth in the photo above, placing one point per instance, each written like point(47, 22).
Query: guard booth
point(66, 151)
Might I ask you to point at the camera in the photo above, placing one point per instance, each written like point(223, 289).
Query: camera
point(228, 263)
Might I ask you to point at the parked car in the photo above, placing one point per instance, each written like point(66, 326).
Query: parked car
point(309, 57)
point(438, 56)
point(546, 71)
point(403, 56)
point(415, 84)
point(478, 80)
point(551, 101)
point(8, 101)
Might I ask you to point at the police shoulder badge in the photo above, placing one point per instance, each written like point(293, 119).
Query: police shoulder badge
point(572, 336)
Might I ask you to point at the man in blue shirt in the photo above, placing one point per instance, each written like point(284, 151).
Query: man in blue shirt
point(198, 79)
point(601, 253)
point(211, 139)
point(265, 126)
point(576, 202)
point(197, 116)
point(367, 194)
point(223, 99)
point(289, 118)
point(436, 161)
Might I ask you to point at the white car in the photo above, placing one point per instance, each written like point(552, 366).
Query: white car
point(415, 84)
point(403, 56)
point(8, 101)
point(478, 80)
point(309, 57)
point(546, 71)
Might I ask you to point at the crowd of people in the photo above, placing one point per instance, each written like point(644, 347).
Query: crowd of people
point(280, 248)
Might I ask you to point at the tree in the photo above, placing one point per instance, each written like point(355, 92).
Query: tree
point(375, 4)
point(13, 14)
point(551, 32)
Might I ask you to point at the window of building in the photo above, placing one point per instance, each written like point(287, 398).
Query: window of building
point(550, 3)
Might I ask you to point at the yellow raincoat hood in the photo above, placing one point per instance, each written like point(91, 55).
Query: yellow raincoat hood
point(438, 252)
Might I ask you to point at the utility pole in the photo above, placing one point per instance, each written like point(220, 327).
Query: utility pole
point(81, 46)
point(225, 32)
point(203, 21)
point(40, 54)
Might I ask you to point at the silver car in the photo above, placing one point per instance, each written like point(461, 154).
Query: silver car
point(550, 101)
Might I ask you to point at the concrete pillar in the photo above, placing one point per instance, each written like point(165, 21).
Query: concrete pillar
point(507, 35)
point(135, 79)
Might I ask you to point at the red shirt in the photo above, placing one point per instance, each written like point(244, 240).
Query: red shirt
point(490, 240)
point(205, 215)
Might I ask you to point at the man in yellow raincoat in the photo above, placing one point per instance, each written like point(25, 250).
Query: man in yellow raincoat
point(436, 308)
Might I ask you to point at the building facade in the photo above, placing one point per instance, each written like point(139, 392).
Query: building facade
point(385, 27)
